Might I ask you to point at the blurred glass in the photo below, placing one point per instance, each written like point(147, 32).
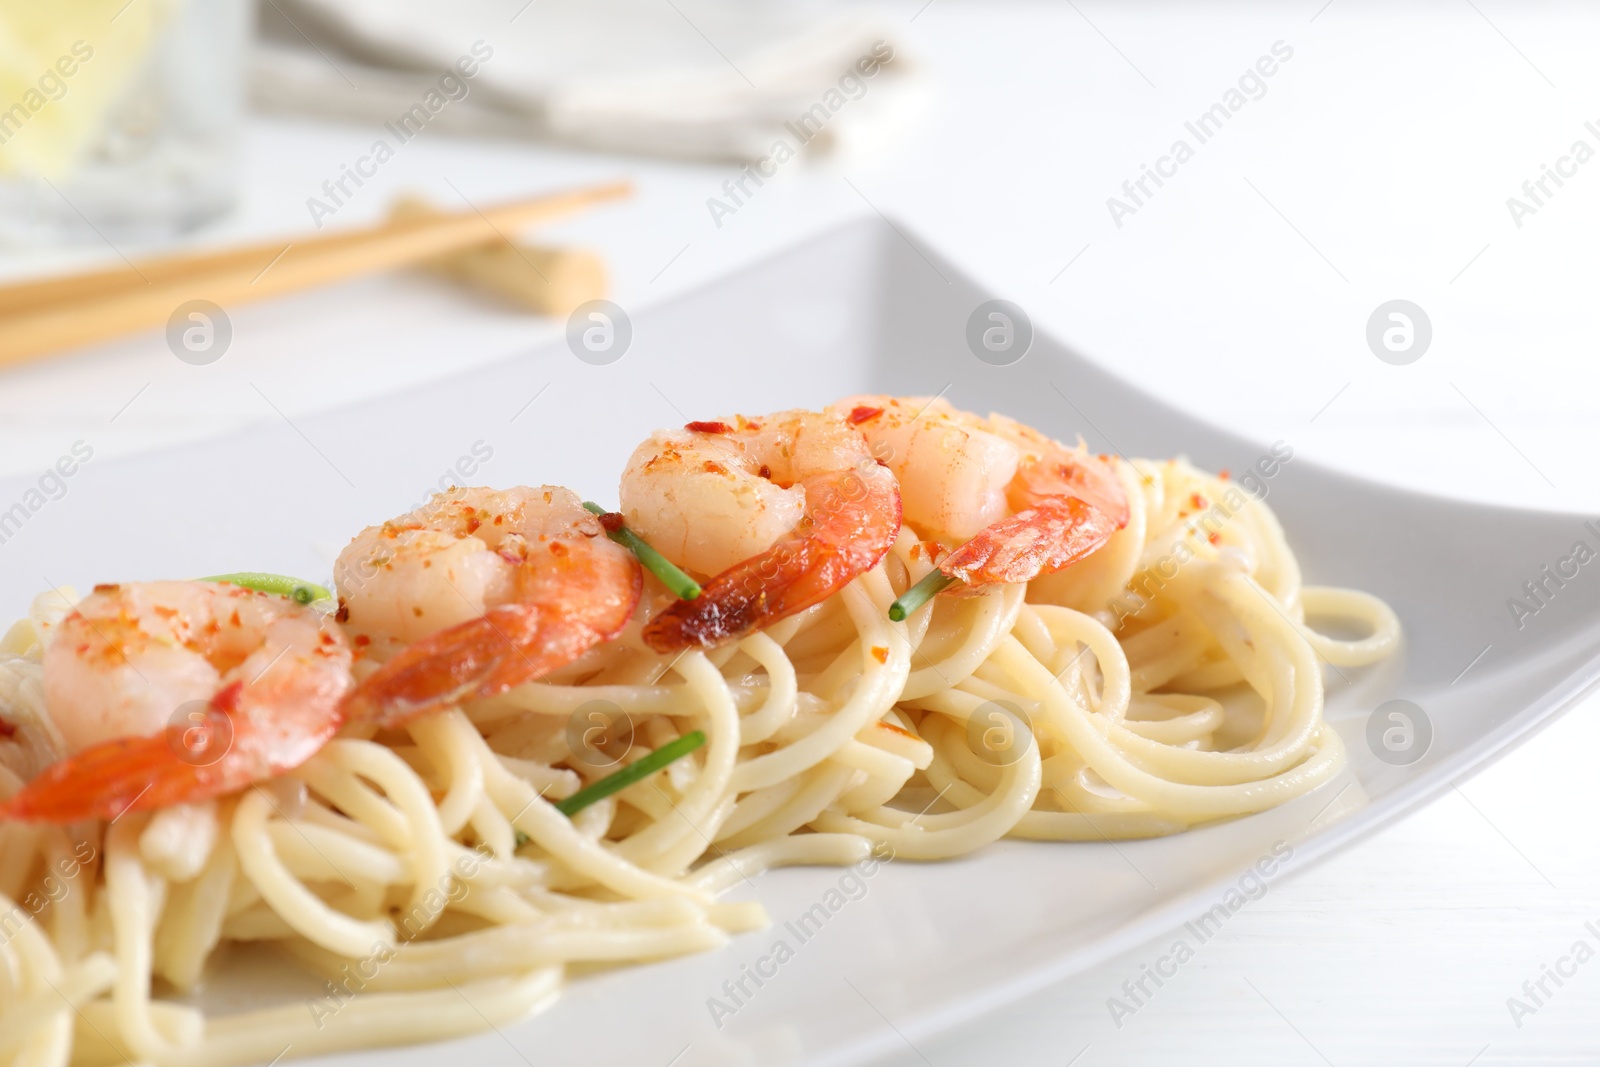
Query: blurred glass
point(119, 119)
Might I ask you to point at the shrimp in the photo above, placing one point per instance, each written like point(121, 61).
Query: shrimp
point(172, 692)
point(478, 591)
point(1017, 503)
point(783, 510)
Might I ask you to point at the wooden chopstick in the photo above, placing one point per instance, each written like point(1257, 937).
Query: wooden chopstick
point(159, 269)
point(33, 295)
point(40, 317)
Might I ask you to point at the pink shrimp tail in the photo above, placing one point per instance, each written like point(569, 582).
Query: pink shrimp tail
point(852, 522)
point(112, 778)
point(482, 657)
point(1046, 537)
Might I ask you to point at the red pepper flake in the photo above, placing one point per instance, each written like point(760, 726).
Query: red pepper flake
point(713, 467)
point(862, 414)
point(765, 471)
point(916, 550)
point(612, 521)
point(227, 698)
point(892, 728)
point(106, 587)
point(880, 653)
point(7, 730)
point(708, 427)
point(1198, 502)
point(1223, 474)
point(362, 640)
point(1215, 539)
point(558, 549)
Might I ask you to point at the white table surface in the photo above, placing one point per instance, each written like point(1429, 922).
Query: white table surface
point(1376, 166)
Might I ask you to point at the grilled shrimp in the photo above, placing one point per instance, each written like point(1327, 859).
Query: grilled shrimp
point(171, 692)
point(783, 510)
point(1017, 503)
point(477, 591)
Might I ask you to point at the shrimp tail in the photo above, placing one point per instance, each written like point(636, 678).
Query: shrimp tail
point(159, 770)
point(109, 779)
point(1052, 534)
point(477, 659)
point(851, 523)
point(778, 582)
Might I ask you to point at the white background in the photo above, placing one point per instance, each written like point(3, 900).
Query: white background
point(1376, 166)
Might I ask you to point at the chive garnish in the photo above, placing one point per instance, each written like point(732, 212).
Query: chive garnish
point(912, 599)
point(630, 774)
point(682, 586)
point(300, 592)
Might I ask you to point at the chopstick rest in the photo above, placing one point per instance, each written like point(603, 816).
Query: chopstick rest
point(549, 281)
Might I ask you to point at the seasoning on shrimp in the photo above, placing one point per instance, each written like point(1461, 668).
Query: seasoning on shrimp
point(477, 591)
point(784, 511)
point(1019, 503)
point(172, 692)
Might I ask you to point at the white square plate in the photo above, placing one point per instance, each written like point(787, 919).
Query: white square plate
point(863, 308)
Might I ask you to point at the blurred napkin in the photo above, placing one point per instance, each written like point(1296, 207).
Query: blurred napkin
point(705, 79)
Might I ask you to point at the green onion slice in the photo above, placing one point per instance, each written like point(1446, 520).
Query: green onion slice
point(682, 586)
point(931, 585)
point(301, 592)
point(630, 774)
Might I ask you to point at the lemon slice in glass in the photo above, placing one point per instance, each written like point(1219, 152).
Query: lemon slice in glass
point(63, 68)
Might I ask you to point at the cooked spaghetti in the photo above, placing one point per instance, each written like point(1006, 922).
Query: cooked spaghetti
point(1168, 677)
